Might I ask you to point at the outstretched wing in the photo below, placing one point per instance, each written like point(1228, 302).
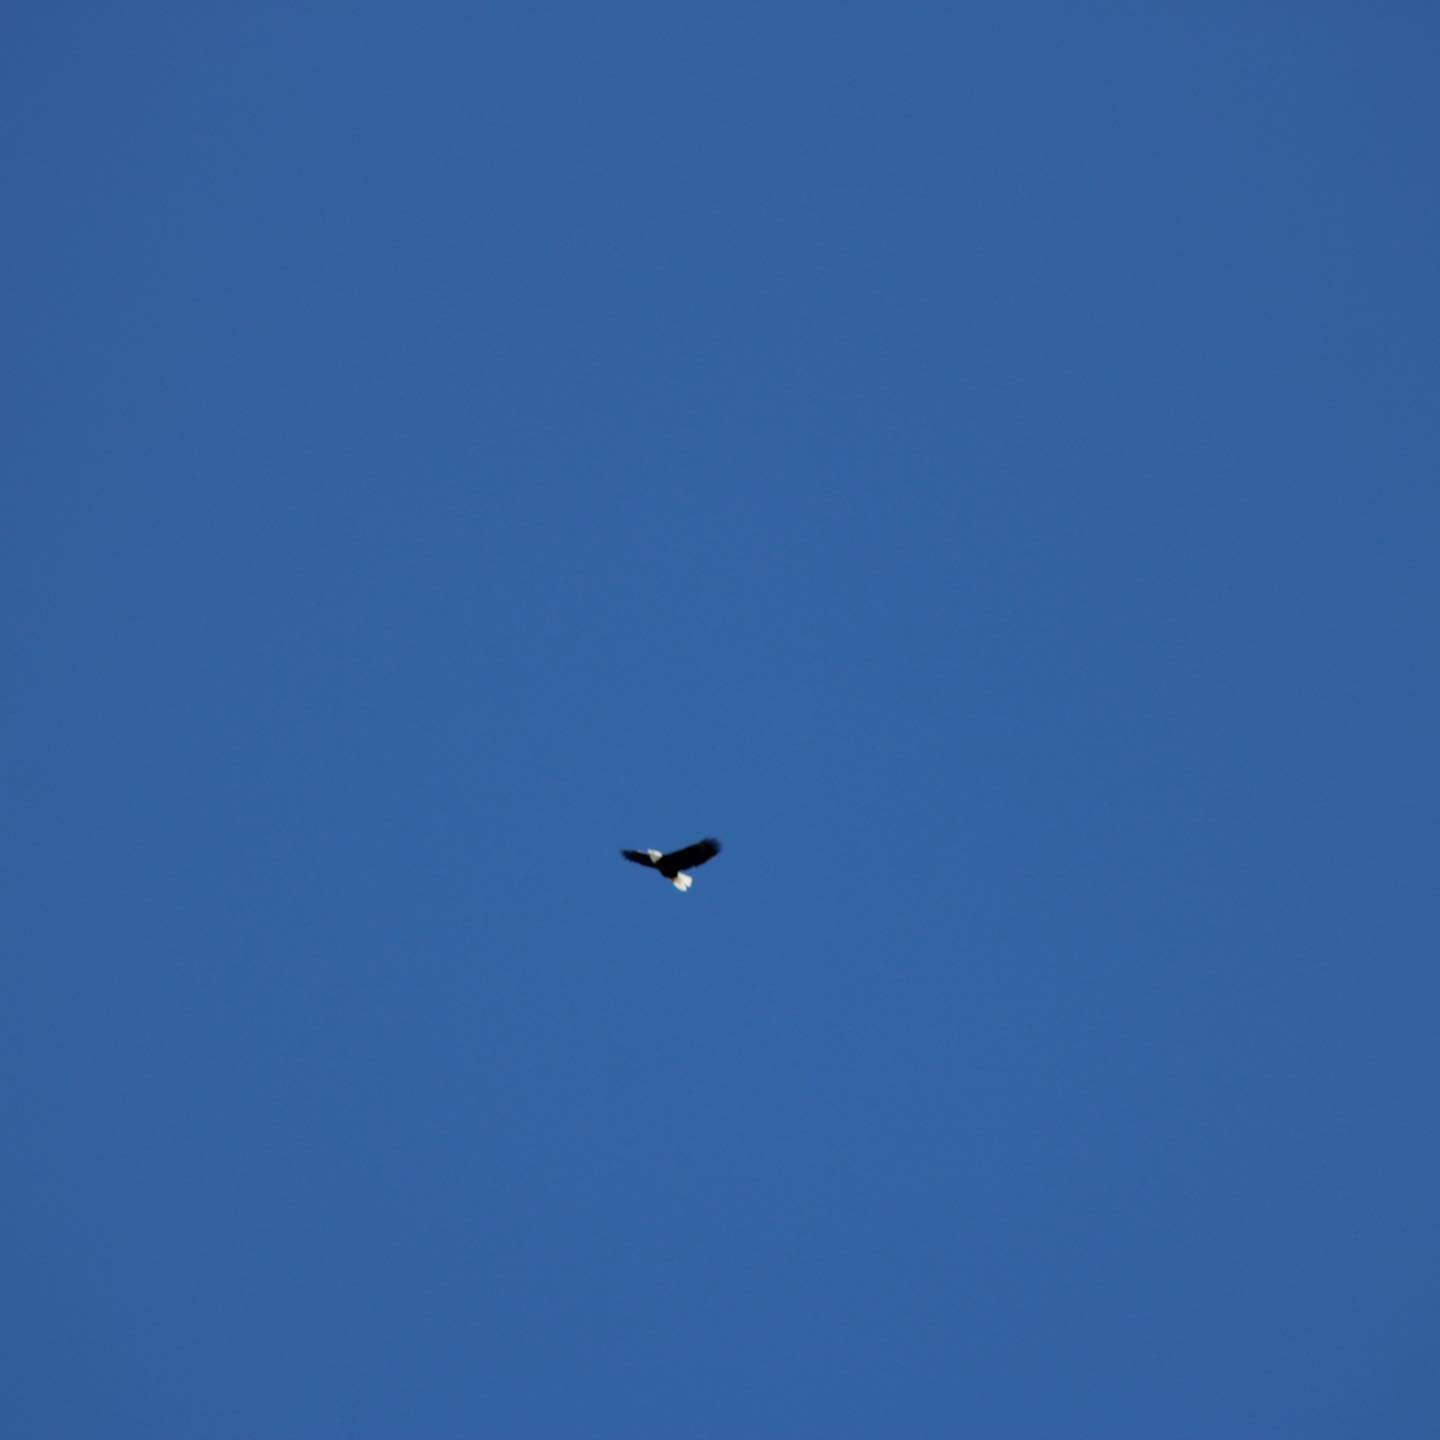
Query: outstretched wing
point(639, 857)
point(689, 857)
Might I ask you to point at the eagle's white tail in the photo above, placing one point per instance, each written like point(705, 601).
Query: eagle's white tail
point(683, 882)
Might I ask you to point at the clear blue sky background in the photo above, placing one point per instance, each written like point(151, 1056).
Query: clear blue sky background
point(979, 462)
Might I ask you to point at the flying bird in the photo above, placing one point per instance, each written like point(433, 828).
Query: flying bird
point(674, 865)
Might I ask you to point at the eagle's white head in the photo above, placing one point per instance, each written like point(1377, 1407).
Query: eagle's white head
point(654, 854)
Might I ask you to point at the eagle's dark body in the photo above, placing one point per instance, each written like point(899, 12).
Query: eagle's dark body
point(674, 864)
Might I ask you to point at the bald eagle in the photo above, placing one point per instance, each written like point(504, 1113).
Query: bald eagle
point(674, 865)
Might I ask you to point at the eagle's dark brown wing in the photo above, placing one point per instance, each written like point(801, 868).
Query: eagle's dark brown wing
point(639, 857)
point(688, 858)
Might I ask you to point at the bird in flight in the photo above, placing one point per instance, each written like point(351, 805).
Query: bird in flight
point(674, 865)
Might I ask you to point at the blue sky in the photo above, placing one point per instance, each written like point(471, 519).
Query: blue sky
point(980, 463)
